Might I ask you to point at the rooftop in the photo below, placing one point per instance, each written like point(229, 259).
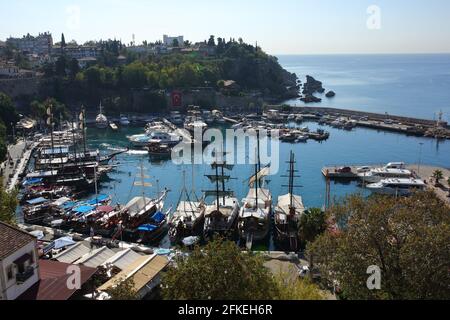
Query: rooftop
point(12, 239)
point(53, 283)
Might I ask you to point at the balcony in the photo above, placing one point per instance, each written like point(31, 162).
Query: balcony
point(25, 275)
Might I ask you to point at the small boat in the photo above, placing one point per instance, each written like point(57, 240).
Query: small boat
point(176, 118)
point(101, 121)
point(113, 126)
point(124, 121)
point(291, 117)
point(157, 149)
point(299, 118)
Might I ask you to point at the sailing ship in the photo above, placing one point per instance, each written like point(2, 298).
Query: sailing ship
point(188, 218)
point(288, 212)
point(221, 216)
point(101, 121)
point(255, 214)
point(142, 219)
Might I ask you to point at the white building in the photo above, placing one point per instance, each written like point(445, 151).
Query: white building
point(168, 41)
point(19, 268)
point(41, 44)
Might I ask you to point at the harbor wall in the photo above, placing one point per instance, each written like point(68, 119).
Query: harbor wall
point(16, 88)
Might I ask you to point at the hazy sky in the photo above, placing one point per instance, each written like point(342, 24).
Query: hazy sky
point(283, 26)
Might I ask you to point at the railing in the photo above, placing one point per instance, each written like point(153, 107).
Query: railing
point(24, 276)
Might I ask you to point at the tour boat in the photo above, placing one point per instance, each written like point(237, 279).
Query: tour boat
point(288, 212)
point(188, 218)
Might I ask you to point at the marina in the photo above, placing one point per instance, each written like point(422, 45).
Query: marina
point(183, 221)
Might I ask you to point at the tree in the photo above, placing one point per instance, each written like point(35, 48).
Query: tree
point(8, 205)
point(407, 238)
point(448, 182)
point(296, 289)
point(312, 224)
point(175, 43)
point(438, 175)
point(212, 41)
point(219, 271)
point(61, 66)
point(8, 113)
point(63, 41)
point(123, 290)
point(74, 68)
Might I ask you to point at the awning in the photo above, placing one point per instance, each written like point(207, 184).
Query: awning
point(37, 201)
point(147, 228)
point(98, 199)
point(83, 209)
point(63, 242)
point(158, 217)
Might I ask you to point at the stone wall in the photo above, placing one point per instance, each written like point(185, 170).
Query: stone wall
point(19, 87)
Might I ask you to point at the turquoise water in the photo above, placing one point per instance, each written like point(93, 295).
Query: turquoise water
point(409, 85)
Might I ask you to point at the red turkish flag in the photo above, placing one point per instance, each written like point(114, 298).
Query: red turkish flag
point(176, 98)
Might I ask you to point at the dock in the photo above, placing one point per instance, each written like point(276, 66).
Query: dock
point(21, 167)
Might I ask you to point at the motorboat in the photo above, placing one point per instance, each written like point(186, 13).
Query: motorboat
point(124, 121)
point(378, 174)
point(397, 187)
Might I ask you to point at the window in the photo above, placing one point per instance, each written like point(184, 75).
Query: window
point(10, 272)
point(31, 257)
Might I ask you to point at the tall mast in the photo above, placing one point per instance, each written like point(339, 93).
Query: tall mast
point(217, 186)
point(291, 179)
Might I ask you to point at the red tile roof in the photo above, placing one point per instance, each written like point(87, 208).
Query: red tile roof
point(12, 239)
point(53, 283)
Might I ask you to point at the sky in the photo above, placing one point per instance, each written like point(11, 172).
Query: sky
point(279, 27)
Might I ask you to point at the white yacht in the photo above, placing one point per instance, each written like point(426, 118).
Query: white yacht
point(101, 121)
point(124, 121)
point(160, 136)
point(176, 118)
point(378, 174)
point(399, 187)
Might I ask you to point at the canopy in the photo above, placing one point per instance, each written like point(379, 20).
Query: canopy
point(83, 209)
point(37, 201)
point(105, 209)
point(147, 228)
point(38, 234)
point(32, 181)
point(98, 199)
point(158, 217)
point(64, 242)
point(189, 241)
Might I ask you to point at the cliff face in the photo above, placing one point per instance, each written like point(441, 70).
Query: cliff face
point(262, 73)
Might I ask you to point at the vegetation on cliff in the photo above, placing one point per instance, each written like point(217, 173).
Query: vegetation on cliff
point(250, 67)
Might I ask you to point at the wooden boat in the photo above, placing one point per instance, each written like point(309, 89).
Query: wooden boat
point(287, 215)
point(221, 216)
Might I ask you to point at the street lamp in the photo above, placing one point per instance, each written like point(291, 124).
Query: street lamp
point(420, 158)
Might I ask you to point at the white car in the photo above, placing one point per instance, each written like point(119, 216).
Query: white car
point(363, 169)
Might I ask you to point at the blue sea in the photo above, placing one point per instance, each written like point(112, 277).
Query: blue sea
point(409, 85)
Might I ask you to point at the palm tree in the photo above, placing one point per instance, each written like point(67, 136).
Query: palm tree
point(438, 176)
